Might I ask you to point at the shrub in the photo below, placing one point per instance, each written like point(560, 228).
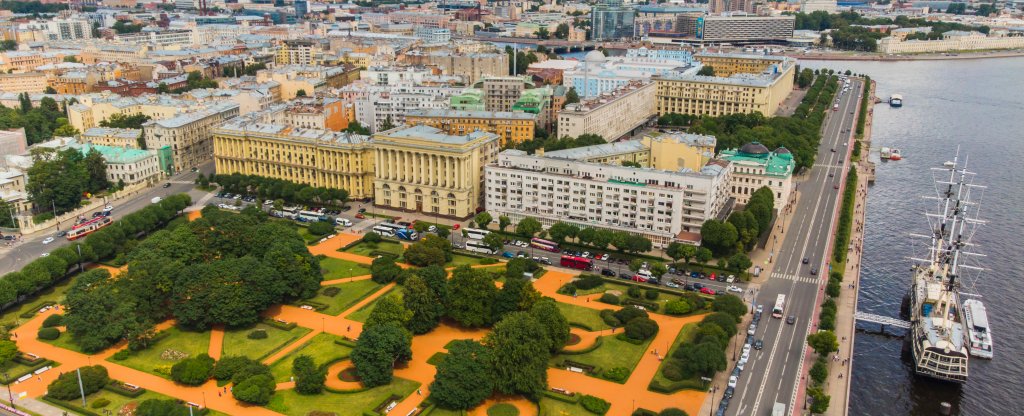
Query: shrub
point(502, 409)
point(594, 404)
point(634, 291)
point(651, 294)
point(588, 281)
point(331, 291)
point(193, 371)
point(53, 320)
point(257, 334)
point(100, 402)
point(672, 371)
point(819, 372)
point(608, 316)
point(65, 387)
point(568, 289)
point(121, 355)
point(619, 374)
point(672, 412)
point(609, 299)
point(678, 307)
point(731, 305)
point(49, 334)
point(488, 260)
point(255, 390)
point(641, 328)
point(320, 228)
point(833, 288)
point(309, 378)
point(228, 366)
point(371, 238)
point(155, 407)
point(627, 314)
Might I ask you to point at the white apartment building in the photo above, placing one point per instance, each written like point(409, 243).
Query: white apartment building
point(754, 167)
point(600, 74)
point(953, 40)
point(161, 38)
point(189, 135)
point(610, 115)
point(664, 206)
point(393, 75)
point(374, 104)
point(126, 165)
point(434, 36)
point(69, 28)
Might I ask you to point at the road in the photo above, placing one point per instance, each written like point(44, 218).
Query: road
point(773, 373)
point(32, 247)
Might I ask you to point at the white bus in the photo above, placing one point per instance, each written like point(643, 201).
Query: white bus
point(310, 216)
point(476, 233)
point(392, 226)
point(780, 306)
point(474, 245)
point(779, 409)
point(384, 231)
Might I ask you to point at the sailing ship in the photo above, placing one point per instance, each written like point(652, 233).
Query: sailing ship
point(938, 336)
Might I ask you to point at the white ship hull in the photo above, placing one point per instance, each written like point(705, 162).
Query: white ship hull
point(978, 332)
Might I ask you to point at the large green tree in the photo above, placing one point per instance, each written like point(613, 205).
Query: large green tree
point(377, 351)
point(388, 310)
point(425, 305)
point(471, 293)
point(520, 345)
point(719, 237)
point(464, 377)
point(309, 378)
point(556, 327)
point(515, 295)
point(528, 227)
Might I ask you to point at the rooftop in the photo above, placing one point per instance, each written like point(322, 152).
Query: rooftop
point(778, 163)
point(112, 132)
point(112, 154)
point(246, 125)
point(598, 150)
point(423, 132)
point(472, 114)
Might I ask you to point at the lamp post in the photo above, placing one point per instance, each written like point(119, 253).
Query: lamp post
point(712, 410)
point(9, 394)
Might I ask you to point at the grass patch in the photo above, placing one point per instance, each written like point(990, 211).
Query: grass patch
point(436, 359)
point(351, 293)
point(363, 313)
point(321, 348)
point(309, 238)
point(65, 342)
point(153, 360)
point(552, 407)
point(611, 354)
point(117, 401)
point(590, 318)
point(460, 259)
point(502, 409)
point(340, 269)
point(686, 334)
point(438, 411)
point(354, 404)
point(236, 342)
point(364, 249)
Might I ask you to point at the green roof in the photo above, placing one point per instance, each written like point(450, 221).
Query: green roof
point(113, 154)
point(778, 163)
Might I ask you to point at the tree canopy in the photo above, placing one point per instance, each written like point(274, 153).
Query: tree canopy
point(464, 378)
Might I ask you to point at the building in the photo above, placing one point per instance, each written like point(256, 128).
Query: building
point(736, 29)
point(161, 38)
point(671, 151)
point(501, 93)
point(322, 113)
point(511, 127)
point(69, 27)
point(472, 67)
point(679, 55)
point(126, 166)
point(726, 6)
point(470, 99)
point(13, 142)
point(600, 74)
point(24, 82)
point(811, 6)
point(664, 206)
point(610, 21)
point(611, 115)
point(376, 105)
point(655, 19)
point(299, 52)
point(189, 135)
point(12, 190)
point(309, 79)
point(433, 35)
point(111, 137)
point(740, 92)
point(729, 64)
point(953, 40)
point(422, 169)
point(538, 101)
point(251, 145)
point(754, 166)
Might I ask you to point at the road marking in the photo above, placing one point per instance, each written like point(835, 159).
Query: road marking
point(801, 279)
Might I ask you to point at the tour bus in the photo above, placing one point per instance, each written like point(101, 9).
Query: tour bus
point(384, 231)
point(577, 262)
point(388, 229)
point(392, 226)
point(476, 233)
point(780, 307)
point(310, 216)
point(477, 246)
point(544, 245)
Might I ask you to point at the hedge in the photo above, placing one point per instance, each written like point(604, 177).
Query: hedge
point(287, 326)
point(574, 399)
point(315, 305)
point(31, 369)
point(596, 345)
point(119, 388)
point(650, 306)
point(98, 403)
point(53, 320)
point(70, 406)
point(609, 299)
point(842, 239)
point(31, 312)
point(49, 334)
point(331, 291)
point(346, 342)
point(595, 404)
point(674, 386)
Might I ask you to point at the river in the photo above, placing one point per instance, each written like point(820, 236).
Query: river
point(977, 105)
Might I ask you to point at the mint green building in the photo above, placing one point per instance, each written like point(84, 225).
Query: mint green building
point(753, 166)
point(471, 99)
point(126, 165)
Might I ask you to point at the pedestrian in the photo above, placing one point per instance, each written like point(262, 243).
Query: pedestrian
point(218, 394)
point(419, 392)
point(349, 329)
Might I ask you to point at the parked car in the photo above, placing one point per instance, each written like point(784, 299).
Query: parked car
point(734, 288)
point(47, 240)
point(672, 285)
point(521, 254)
point(751, 329)
point(730, 279)
point(690, 287)
point(653, 281)
point(608, 272)
point(707, 291)
point(698, 286)
point(732, 381)
point(508, 254)
point(712, 277)
point(360, 216)
point(625, 275)
point(604, 257)
point(432, 228)
point(639, 278)
point(760, 308)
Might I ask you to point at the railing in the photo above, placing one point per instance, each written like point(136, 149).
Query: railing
point(881, 320)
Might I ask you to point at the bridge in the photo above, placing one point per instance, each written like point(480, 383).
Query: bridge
point(555, 45)
point(882, 321)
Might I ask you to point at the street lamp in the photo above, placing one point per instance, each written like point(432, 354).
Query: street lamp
point(9, 394)
point(712, 410)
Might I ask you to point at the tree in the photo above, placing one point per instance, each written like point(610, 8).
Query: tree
point(706, 70)
point(516, 267)
point(804, 79)
point(542, 33)
point(66, 130)
point(464, 378)
point(820, 400)
point(823, 342)
point(739, 262)
point(559, 231)
point(423, 254)
point(482, 219)
point(388, 310)
point(383, 270)
point(494, 241)
point(503, 222)
point(162, 88)
point(515, 295)
point(572, 96)
point(122, 27)
point(424, 304)
point(720, 237)
point(255, 390)
point(356, 128)
point(8, 45)
point(562, 31)
point(730, 304)
point(672, 412)
point(556, 326)
point(704, 359)
point(387, 124)
point(193, 371)
point(8, 350)
point(658, 269)
point(97, 168)
point(309, 378)
point(519, 345)
point(641, 328)
point(528, 227)
point(50, 90)
point(819, 371)
point(724, 320)
point(378, 349)
point(601, 238)
point(471, 293)
point(678, 307)
point(704, 255)
point(121, 121)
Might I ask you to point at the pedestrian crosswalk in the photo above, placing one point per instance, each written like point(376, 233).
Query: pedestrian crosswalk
point(802, 279)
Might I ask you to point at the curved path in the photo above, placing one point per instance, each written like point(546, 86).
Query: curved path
point(587, 338)
point(525, 407)
point(336, 383)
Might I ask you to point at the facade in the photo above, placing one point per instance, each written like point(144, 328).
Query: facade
point(741, 92)
point(252, 146)
point(126, 165)
point(69, 28)
point(501, 93)
point(433, 35)
point(610, 21)
point(111, 137)
point(725, 6)
point(811, 6)
point(951, 41)
point(470, 99)
point(663, 206)
point(13, 142)
point(511, 127)
point(754, 166)
point(189, 135)
point(32, 82)
point(12, 190)
point(737, 29)
point(669, 151)
point(162, 38)
point(422, 169)
point(299, 52)
point(611, 115)
point(471, 67)
point(375, 105)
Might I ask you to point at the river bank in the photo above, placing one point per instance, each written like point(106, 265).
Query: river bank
point(843, 56)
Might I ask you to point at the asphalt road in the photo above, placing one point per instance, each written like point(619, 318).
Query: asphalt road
point(32, 247)
point(773, 374)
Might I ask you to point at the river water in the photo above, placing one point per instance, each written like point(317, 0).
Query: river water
point(977, 105)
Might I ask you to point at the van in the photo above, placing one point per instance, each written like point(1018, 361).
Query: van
point(645, 273)
point(344, 222)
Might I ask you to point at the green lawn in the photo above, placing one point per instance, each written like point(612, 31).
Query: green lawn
point(552, 407)
point(351, 293)
point(321, 348)
point(53, 294)
point(364, 312)
point(364, 249)
point(304, 233)
point(583, 315)
point(354, 404)
point(237, 342)
point(339, 269)
point(461, 259)
point(611, 354)
point(445, 412)
point(685, 335)
point(117, 401)
point(65, 342)
point(150, 360)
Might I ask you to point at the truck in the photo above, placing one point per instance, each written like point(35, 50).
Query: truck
point(779, 409)
point(407, 234)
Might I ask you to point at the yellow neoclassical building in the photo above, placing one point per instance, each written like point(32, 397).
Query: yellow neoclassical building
point(511, 127)
point(732, 90)
point(422, 169)
point(309, 156)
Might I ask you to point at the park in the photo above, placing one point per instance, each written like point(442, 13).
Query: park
point(233, 313)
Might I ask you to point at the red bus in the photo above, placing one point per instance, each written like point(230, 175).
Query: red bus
point(544, 245)
point(577, 262)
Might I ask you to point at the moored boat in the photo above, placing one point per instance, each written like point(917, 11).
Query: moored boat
point(885, 153)
point(977, 328)
point(894, 154)
point(896, 100)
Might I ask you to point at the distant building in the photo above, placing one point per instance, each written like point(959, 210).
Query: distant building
point(111, 137)
point(670, 151)
point(422, 169)
point(126, 165)
point(754, 166)
point(433, 35)
point(512, 127)
point(31, 82)
point(737, 92)
point(810, 6)
point(189, 135)
point(736, 29)
point(610, 20)
point(951, 41)
point(501, 93)
point(613, 115)
point(13, 142)
point(69, 27)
